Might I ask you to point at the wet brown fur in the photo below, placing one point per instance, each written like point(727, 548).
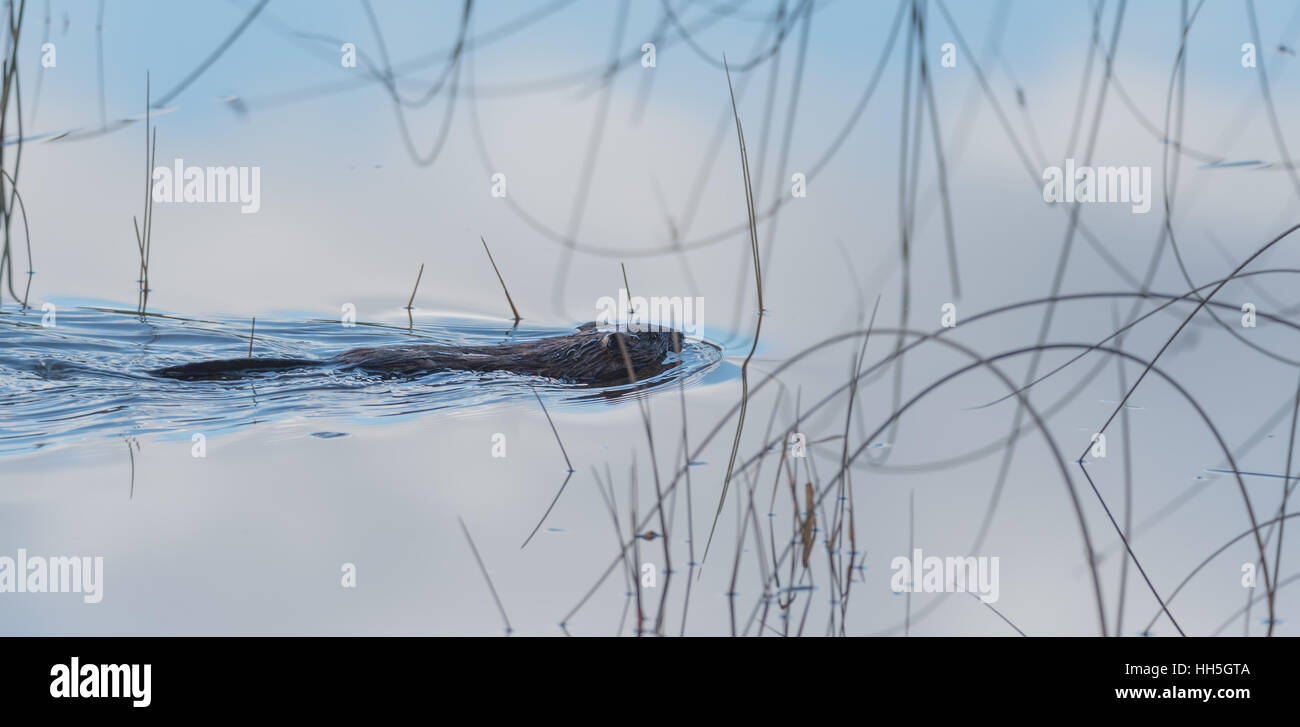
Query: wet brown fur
point(590, 356)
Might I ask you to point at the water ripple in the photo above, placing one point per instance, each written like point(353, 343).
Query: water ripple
point(86, 376)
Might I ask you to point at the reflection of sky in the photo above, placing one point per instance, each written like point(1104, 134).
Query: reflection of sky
point(251, 538)
point(319, 156)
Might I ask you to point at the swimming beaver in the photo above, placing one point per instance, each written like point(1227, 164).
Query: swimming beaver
point(589, 356)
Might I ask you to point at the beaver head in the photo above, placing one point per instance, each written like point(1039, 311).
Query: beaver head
point(603, 357)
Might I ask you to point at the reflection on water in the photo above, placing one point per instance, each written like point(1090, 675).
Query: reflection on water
point(85, 375)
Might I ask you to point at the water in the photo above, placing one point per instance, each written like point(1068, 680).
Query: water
point(308, 472)
point(86, 376)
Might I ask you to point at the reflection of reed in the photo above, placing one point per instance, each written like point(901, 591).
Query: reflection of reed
point(758, 327)
point(486, 577)
point(410, 303)
point(144, 241)
point(12, 92)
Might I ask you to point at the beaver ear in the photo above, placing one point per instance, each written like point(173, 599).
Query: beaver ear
point(609, 342)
